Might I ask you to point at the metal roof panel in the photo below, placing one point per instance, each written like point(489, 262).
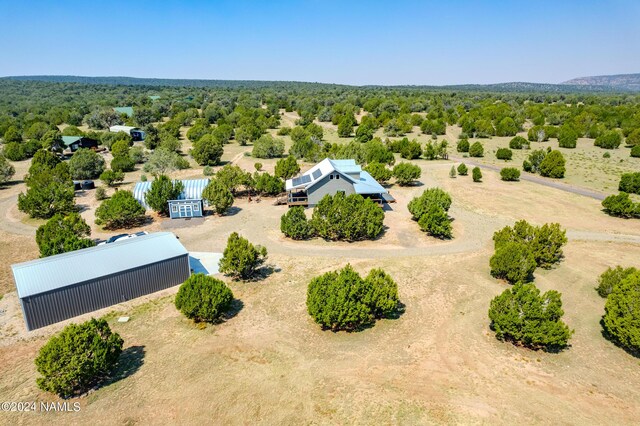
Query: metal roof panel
point(62, 270)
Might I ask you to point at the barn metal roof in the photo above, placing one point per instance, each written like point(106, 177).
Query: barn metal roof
point(192, 190)
point(62, 270)
point(68, 140)
point(124, 110)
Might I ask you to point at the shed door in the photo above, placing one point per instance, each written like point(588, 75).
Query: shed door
point(186, 210)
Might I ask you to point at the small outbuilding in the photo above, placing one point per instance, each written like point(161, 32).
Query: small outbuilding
point(333, 176)
point(135, 132)
point(188, 204)
point(66, 285)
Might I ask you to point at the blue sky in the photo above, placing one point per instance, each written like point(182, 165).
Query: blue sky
point(353, 42)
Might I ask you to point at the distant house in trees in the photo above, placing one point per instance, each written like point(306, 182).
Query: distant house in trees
point(128, 111)
point(188, 204)
point(135, 133)
point(331, 177)
point(73, 143)
point(154, 97)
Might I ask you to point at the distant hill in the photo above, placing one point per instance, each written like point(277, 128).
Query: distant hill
point(618, 81)
point(626, 83)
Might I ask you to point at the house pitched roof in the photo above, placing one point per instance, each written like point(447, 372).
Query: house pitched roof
point(363, 182)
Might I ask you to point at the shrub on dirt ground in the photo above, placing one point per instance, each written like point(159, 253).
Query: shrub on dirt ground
point(111, 177)
point(476, 174)
point(294, 224)
point(101, 193)
point(62, 234)
point(233, 177)
point(609, 139)
point(633, 139)
point(240, 258)
point(162, 190)
point(379, 172)
point(513, 262)
point(49, 191)
point(77, 358)
point(268, 147)
point(14, 151)
point(462, 169)
point(476, 150)
point(463, 145)
point(611, 278)
point(203, 298)
point(411, 150)
point(286, 168)
point(545, 242)
point(406, 173)
point(348, 218)
point(86, 164)
point(525, 317)
point(217, 196)
point(567, 137)
point(635, 151)
point(436, 222)
point(123, 163)
point(518, 142)
point(452, 172)
point(6, 170)
point(553, 165)
point(504, 154)
point(207, 150)
point(510, 174)
point(430, 210)
point(630, 183)
point(382, 293)
point(532, 163)
point(342, 300)
point(266, 184)
point(621, 205)
point(122, 210)
point(621, 320)
point(420, 205)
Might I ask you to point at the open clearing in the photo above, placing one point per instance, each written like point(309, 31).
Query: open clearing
point(436, 363)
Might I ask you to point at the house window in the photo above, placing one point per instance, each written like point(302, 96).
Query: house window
point(196, 207)
point(337, 176)
point(174, 208)
point(330, 176)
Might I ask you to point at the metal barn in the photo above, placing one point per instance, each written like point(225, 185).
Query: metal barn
point(188, 204)
point(63, 286)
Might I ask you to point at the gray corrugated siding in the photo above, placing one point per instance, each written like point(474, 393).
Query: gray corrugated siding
point(329, 186)
point(67, 302)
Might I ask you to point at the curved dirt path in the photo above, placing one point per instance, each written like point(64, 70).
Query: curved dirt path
point(10, 224)
point(536, 179)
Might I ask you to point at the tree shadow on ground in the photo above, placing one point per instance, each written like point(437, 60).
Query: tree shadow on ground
point(10, 183)
point(236, 306)
point(130, 361)
point(232, 211)
point(264, 272)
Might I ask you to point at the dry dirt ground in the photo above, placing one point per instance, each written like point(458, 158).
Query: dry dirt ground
point(270, 364)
